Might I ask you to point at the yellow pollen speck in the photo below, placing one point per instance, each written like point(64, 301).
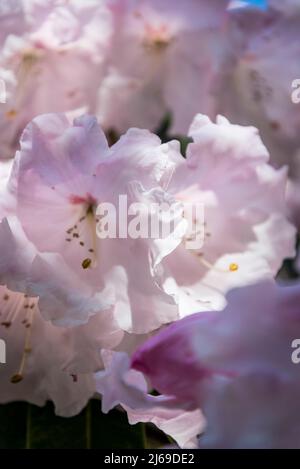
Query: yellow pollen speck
point(233, 267)
point(86, 263)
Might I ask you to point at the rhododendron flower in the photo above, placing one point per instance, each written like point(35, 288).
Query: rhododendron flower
point(66, 171)
point(163, 59)
point(24, 270)
point(245, 229)
point(236, 365)
point(258, 87)
point(61, 175)
point(55, 65)
point(36, 355)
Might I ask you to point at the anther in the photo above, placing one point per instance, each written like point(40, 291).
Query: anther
point(17, 378)
point(233, 267)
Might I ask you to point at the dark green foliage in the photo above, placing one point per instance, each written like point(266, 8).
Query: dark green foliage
point(27, 426)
